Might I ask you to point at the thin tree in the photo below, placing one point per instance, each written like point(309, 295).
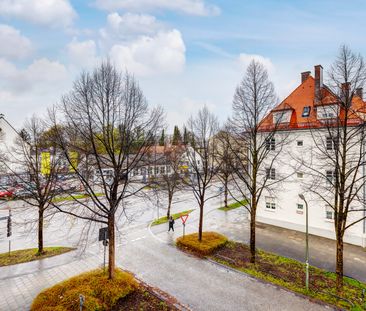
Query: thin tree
point(108, 112)
point(202, 158)
point(225, 160)
point(35, 170)
point(338, 174)
point(259, 146)
point(171, 180)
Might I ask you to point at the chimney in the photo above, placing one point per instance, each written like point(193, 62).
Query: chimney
point(318, 70)
point(359, 92)
point(305, 75)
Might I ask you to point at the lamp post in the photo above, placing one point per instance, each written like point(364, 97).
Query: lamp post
point(301, 196)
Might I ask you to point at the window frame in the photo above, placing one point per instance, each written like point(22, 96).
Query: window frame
point(306, 114)
point(271, 173)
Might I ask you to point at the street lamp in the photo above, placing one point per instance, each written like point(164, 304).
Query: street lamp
point(301, 196)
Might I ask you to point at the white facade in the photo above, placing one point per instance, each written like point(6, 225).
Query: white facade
point(282, 206)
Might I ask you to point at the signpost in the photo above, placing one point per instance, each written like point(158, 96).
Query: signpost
point(184, 219)
point(103, 236)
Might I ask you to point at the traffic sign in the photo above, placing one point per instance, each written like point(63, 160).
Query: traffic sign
point(184, 218)
point(103, 234)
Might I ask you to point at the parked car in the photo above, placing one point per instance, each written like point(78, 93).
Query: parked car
point(6, 194)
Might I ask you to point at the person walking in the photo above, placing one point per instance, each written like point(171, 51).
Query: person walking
point(171, 223)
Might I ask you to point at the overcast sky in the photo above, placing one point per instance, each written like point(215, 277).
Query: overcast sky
point(185, 53)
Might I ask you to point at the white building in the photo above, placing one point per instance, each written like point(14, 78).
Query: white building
point(303, 114)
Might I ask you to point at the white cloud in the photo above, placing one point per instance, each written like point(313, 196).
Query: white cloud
point(82, 53)
point(57, 13)
point(192, 7)
point(132, 24)
point(13, 44)
point(161, 53)
point(245, 60)
point(42, 75)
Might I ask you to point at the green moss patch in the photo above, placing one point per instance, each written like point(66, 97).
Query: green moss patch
point(233, 205)
point(211, 241)
point(26, 255)
point(163, 220)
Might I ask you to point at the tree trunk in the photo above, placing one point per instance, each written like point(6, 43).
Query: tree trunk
point(40, 230)
point(252, 235)
point(200, 223)
point(111, 249)
point(170, 199)
point(339, 264)
point(225, 193)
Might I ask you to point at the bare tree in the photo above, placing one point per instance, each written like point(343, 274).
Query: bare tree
point(225, 159)
point(338, 174)
point(202, 159)
point(36, 171)
point(171, 180)
point(256, 141)
point(106, 118)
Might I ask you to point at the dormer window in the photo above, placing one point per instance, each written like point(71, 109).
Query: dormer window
point(327, 112)
point(306, 112)
point(282, 116)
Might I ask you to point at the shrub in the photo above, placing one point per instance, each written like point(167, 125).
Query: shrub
point(211, 241)
point(100, 293)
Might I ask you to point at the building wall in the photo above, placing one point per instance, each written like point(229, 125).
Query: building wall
point(286, 194)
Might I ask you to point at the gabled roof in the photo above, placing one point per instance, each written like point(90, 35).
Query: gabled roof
point(304, 96)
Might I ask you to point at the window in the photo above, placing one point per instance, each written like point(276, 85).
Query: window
point(271, 143)
point(300, 175)
point(331, 143)
point(271, 173)
point(168, 169)
point(270, 203)
point(300, 207)
point(162, 169)
point(150, 171)
point(329, 213)
point(282, 117)
point(330, 175)
point(156, 170)
point(306, 111)
point(300, 143)
point(327, 112)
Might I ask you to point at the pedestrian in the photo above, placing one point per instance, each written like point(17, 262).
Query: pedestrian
point(171, 223)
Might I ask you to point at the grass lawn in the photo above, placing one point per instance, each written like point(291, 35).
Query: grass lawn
point(163, 220)
point(73, 197)
point(26, 255)
point(233, 205)
point(122, 293)
point(211, 241)
point(290, 274)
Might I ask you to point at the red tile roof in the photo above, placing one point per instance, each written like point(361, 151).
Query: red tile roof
point(303, 96)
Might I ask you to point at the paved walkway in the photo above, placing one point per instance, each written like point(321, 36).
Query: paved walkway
point(196, 283)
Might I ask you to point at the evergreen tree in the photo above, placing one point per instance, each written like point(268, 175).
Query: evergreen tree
point(177, 137)
point(185, 136)
point(162, 138)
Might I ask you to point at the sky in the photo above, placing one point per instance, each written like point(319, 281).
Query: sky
point(184, 53)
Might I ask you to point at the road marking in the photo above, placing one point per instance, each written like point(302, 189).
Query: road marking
point(143, 237)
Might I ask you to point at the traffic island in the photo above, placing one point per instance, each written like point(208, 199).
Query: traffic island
point(290, 274)
point(94, 291)
point(211, 242)
point(234, 205)
point(26, 255)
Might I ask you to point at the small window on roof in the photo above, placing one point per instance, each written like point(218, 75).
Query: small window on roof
point(306, 111)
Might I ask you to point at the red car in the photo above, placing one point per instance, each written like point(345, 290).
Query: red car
point(6, 194)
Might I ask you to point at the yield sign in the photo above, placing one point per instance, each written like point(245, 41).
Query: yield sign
point(184, 218)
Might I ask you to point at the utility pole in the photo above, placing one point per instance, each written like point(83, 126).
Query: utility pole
point(301, 196)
